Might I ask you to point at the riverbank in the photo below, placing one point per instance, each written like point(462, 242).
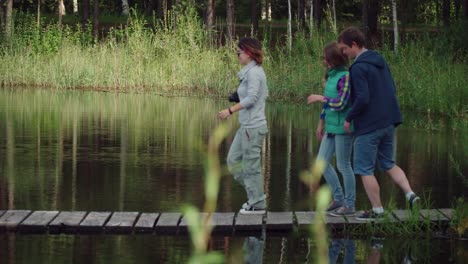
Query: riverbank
point(188, 61)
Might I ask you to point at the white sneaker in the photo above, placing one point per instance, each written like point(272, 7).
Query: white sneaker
point(252, 210)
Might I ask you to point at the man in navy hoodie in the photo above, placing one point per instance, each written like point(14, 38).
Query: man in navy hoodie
point(375, 114)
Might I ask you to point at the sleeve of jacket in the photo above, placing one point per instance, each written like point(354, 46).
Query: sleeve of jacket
point(253, 89)
point(360, 91)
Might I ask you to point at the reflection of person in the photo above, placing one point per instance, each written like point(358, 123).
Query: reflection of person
point(253, 248)
point(375, 114)
point(335, 249)
point(244, 159)
point(335, 140)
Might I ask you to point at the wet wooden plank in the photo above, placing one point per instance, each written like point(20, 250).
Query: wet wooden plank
point(94, 222)
point(253, 222)
point(433, 215)
point(67, 222)
point(447, 212)
point(121, 222)
point(146, 222)
point(37, 222)
point(223, 222)
point(168, 223)
point(183, 226)
point(10, 220)
point(304, 219)
point(279, 221)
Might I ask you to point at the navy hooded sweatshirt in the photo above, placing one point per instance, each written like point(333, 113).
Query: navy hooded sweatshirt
point(373, 95)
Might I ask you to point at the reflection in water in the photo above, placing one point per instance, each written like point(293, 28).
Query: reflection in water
point(253, 249)
point(334, 250)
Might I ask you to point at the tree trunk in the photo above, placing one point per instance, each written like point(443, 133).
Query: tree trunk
point(301, 13)
point(85, 13)
point(38, 13)
point(395, 26)
point(210, 14)
point(370, 17)
point(465, 9)
point(96, 20)
point(457, 4)
point(159, 9)
point(318, 12)
point(446, 13)
point(254, 16)
point(75, 6)
point(289, 26)
point(334, 17)
point(311, 18)
point(125, 8)
point(8, 18)
point(230, 19)
point(2, 18)
point(60, 12)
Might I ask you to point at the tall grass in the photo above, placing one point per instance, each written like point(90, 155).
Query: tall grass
point(180, 57)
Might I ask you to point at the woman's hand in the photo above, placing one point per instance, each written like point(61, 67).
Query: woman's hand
point(319, 131)
point(224, 114)
point(315, 98)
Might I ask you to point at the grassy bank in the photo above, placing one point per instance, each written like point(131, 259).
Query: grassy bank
point(187, 60)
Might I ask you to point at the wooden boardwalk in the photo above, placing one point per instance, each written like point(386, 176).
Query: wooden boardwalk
point(80, 222)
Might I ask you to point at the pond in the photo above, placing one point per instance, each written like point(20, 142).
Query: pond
point(76, 150)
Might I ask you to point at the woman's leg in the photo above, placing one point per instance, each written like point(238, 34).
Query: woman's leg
point(234, 158)
point(252, 169)
point(343, 144)
point(326, 151)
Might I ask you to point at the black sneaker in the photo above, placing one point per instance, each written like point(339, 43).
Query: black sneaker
point(414, 201)
point(377, 243)
point(334, 205)
point(370, 216)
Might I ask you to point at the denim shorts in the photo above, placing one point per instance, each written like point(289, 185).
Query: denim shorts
point(376, 145)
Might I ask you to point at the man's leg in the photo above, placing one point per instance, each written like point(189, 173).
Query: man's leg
point(399, 177)
point(372, 189)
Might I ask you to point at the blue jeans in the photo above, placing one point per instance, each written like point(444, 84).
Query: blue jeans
point(378, 144)
point(341, 146)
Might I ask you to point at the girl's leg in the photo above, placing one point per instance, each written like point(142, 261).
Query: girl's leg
point(326, 151)
point(234, 158)
point(343, 145)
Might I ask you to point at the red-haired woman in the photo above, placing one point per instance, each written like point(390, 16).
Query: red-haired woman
point(244, 159)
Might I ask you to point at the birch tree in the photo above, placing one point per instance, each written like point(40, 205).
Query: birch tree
point(8, 18)
point(230, 19)
point(75, 6)
point(289, 26)
point(125, 7)
point(395, 26)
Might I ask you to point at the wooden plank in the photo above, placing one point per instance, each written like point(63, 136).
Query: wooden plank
point(37, 221)
point(253, 222)
point(223, 222)
point(433, 215)
point(121, 222)
point(67, 222)
point(279, 221)
point(447, 212)
point(10, 220)
point(183, 226)
point(146, 222)
point(167, 223)
point(404, 215)
point(2, 212)
point(304, 219)
point(351, 220)
point(94, 222)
